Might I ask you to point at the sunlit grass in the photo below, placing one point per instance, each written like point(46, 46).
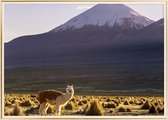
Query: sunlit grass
point(28, 105)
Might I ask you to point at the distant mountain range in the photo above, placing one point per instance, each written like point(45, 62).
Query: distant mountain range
point(106, 33)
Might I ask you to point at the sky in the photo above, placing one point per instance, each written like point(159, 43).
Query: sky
point(29, 19)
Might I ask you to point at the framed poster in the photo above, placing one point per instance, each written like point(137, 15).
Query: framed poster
point(84, 60)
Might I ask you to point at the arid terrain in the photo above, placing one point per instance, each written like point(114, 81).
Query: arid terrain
point(28, 105)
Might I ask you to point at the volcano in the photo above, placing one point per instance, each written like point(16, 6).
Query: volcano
point(111, 15)
point(105, 33)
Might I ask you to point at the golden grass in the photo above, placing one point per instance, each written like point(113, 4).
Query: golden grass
point(121, 109)
point(126, 102)
point(128, 110)
point(109, 105)
point(110, 111)
point(69, 106)
point(28, 104)
point(153, 109)
point(95, 108)
point(160, 109)
point(146, 105)
point(17, 111)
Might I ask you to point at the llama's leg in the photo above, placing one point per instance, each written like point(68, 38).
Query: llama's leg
point(59, 110)
point(42, 106)
point(56, 109)
point(46, 108)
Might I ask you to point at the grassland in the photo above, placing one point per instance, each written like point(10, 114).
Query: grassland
point(28, 105)
point(94, 79)
point(91, 82)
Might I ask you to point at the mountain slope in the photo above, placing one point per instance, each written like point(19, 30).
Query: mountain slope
point(88, 44)
point(110, 14)
point(154, 31)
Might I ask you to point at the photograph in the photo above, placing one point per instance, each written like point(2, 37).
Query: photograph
point(82, 59)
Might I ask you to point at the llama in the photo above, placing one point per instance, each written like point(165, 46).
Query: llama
point(56, 98)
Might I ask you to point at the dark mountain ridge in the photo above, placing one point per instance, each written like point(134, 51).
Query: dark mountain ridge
point(89, 44)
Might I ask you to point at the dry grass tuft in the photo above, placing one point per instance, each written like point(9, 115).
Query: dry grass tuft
point(84, 101)
point(116, 102)
point(33, 96)
point(95, 109)
point(26, 103)
point(13, 101)
point(80, 111)
point(80, 103)
point(146, 105)
point(128, 110)
point(69, 106)
point(160, 109)
point(73, 100)
point(30, 110)
point(8, 112)
point(121, 109)
point(110, 111)
point(141, 103)
point(86, 108)
point(108, 100)
point(8, 103)
point(131, 102)
point(153, 109)
point(17, 111)
point(109, 105)
point(126, 102)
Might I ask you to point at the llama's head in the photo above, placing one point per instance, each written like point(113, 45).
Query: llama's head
point(69, 89)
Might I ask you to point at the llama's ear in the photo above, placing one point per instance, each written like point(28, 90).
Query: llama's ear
point(71, 85)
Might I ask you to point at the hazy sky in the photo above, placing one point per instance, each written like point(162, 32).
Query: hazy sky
point(28, 19)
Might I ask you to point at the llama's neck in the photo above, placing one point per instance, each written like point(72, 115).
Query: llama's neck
point(68, 96)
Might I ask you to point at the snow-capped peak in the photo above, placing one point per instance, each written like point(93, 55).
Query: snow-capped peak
point(110, 14)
